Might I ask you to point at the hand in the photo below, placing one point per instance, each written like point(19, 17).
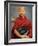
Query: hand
point(24, 36)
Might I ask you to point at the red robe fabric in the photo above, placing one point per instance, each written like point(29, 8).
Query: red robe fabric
point(20, 21)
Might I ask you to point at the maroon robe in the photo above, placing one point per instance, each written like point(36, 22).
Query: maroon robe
point(20, 21)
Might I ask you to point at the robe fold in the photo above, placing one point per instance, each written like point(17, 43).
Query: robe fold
point(20, 21)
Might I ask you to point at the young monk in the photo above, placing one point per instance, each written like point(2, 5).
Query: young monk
point(22, 21)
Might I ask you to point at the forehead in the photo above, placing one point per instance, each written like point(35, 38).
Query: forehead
point(19, 8)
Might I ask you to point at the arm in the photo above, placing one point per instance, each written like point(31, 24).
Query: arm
point(17, 33)
point(30, 30)
point(15, 28)
point(30, 34)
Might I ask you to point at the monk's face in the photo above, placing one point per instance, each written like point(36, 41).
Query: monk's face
point(21, 11)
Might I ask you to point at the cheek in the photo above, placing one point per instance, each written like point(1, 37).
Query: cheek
point(19, 12)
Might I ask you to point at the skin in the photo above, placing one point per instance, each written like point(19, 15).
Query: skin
point(21, 12)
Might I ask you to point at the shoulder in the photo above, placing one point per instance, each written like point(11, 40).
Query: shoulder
point(28, 18)
point(17, 19)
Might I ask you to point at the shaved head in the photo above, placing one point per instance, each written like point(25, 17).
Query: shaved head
point(21, 10)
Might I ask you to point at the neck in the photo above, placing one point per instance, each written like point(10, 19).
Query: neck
point(22, 16)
